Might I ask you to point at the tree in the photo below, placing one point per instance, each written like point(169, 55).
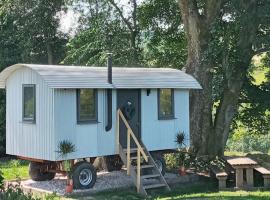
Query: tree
point(160, 40)
point(28, 33)
point(163, 38)
point(203, 22)
point(101, 32)
point(37, 28)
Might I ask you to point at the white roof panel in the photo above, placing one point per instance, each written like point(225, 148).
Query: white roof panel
point(60, 76)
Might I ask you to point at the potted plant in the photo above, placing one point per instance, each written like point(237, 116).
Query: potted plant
point(66, 147)
point(180, 138)
point(182, 168)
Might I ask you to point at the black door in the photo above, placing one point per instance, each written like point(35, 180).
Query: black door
point(129, 103)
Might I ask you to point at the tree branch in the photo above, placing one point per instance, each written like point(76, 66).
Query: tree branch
point(129, 25)
point(134, 14)
point(189, 11)
point(212, 8)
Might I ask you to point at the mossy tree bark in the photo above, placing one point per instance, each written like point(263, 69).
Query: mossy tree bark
point(209, 132)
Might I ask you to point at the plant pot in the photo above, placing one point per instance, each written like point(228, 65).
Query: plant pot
point(69, 187)
point(182, 171)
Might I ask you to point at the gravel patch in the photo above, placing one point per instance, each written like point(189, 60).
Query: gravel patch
point(105, 181)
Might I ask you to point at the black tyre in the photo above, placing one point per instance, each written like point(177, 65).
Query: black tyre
point(37, 172)
point(160, 162)
point(84, 175)
point(112, 163)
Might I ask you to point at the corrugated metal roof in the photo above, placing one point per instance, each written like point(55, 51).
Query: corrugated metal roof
point(60, 76)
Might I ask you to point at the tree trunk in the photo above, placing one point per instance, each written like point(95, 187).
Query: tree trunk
point(235, 76)
point(209, 138)
point(198, 34)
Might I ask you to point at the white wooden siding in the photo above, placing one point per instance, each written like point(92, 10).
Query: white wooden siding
point(56, 121)
point(90, 139)
point(161, 134)
point(26, 139)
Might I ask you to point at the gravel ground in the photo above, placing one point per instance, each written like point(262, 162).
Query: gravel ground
point(105, 181)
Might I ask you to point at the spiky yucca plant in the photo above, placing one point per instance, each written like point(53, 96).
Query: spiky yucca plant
point(180, 138)
point(65, 147)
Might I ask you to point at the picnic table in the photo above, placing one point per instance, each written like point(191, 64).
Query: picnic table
point(241, 164)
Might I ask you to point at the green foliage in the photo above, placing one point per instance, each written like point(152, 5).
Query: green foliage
point(102, 31)
point(163, 39)
point(15, 192)
point(254, 111)
point(160, 40)
point(249, 143)
point(1, 181)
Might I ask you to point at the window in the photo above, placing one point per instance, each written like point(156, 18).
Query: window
point(165, 104)
point(86, 105)
point(29, 103)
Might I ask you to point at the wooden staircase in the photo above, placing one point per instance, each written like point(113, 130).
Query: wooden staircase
point(139, 162)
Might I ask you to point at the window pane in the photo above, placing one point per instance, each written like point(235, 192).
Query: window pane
point(165, 103)
point(29, 102)
point(87, 104)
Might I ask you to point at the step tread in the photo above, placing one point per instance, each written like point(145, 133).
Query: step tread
point(145, 166)
point(154, 186)
point(150, 176)
point(135, 157)
point(131, 150)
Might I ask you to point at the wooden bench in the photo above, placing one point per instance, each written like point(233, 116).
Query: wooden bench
point(266, 175)
point(221, 175)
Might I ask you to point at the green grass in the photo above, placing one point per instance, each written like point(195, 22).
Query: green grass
point(196, 191)
point(14, 169)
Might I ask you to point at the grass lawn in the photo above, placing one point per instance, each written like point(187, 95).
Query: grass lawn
point(14, 169)
point(197, 191)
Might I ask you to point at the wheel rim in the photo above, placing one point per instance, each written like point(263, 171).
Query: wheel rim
point(85, 177)
point(159, 165)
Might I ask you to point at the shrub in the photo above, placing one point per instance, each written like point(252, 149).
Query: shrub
point(15, 192)
point(249, 143)
point(1, 181)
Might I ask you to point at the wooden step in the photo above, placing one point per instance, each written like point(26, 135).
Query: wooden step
point(146, 187)
point(145, 166)
point(135, 157)
point(132, 150)
point(150, 176)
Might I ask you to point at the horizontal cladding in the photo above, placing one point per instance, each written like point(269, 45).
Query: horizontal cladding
point(59, 76)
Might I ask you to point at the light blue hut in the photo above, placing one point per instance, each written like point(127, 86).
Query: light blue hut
point(47, 104)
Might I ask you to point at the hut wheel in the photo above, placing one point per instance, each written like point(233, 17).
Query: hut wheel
point(38, 171)
point(112, 163)
point(84, 175)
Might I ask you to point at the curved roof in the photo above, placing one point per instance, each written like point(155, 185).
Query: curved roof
point(60, 76)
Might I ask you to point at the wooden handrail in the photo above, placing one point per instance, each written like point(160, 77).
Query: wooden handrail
point(139, 148)
point(132, 135)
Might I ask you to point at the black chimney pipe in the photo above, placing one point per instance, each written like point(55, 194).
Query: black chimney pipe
point(109, 94)
point(109, 66)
